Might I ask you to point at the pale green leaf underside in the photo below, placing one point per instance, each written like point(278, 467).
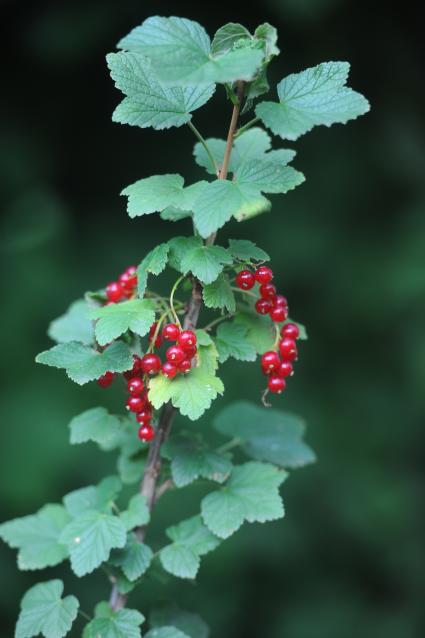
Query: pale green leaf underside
point(219, 294)
point(205, 262)
point(74, 325)
point(190, 460)
point(124, 623)
point(45, 612)
point(231, 341)
point(97, 425)
point(316, 96)
point(114, 320)
point(225, 37)
point(154, 262)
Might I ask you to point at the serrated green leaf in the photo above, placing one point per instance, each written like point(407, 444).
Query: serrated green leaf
point(166, 632)
point(153, 194)
point(203, 338)
point(134, 559)
point(191, 540)
point(268, 33)
point(180, 52)
point(179, 247)
point(74, 325)
point(114, 320)
point(206, 262)
point(316, 96)
point(83, 364)
point(246, 250)
point(148, 101)
point(130, 467)
point(268, 177)
point(93, 497)
point(225, 38)
point(45, 612)
point(279, 440)
point(136, 514)
point(172, 214)
point(231, 341)
point(189, 623)
point(251, 494)
point(260, 332)
point(217, 148)
point(217, 203)
point(191, 460)
point(124, 623)
point(36, 537)
point(219, 294)
point(96, 425)
point(154, 262)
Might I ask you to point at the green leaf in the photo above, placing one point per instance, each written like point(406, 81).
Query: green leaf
point(136, 514)
point(193, 392)
point(130, 466)
point(203, 338)
point(232, 341)
point(74, 325)
point(180, 51)
point(268, 33)
point(191, 460)
point(279, 440)
point(83, 364)
point(166, 632)
point(37, 537)
point(45, 612)
point(114, 320)
point(191, 540)
point(227, 36)
point(219, 294)
point(179, 247)
point(269, 177)
point(172, 214)
point(217, 203)
point(260, 332)
point(217, 148)
point(251, 494)
point(246, 250)
point(154, 262)
point(206, 262)
point(124, 623)
point(96, 425)
point(134, 559)
point(90, 538)
point(148, 101)
point(153, 194)
point(93, 497)
point(316, 96)
point(189, 623)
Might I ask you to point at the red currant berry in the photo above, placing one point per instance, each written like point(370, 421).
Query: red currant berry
point(288, 349)
point(245, 280)
point(276, 384)
point(106, 379)
point(263, 306)
point(268, 291)
point(270, 362)
point(135, 404)
point(264, 274)
point(170, 332)
point(135, 386)
point(280, 300)
point(144, 416)
point(135, 369)
point(126, 282)
point(150, 364)
point(169, 370)
point(185, 365)
point(158, 340)
point(190, 352)
point(114, 291)
point(290, 330)
point(279, 314)
point(146, 433)
point(175, 354)
point(285, 369)
point(187, 339)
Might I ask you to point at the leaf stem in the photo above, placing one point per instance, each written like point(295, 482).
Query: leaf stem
point(205, 145)
point(216, 321)
point(244, 292)
point(236, 442)
point(246, 126)
point(172, 293)
point(84, 615)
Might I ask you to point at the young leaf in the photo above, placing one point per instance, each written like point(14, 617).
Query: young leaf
point(90, 538)
point(37, 537)
point(269, 177)
point(136, 315)
point(136, 514)
point(153, 194)
point(251, 494)
point(179, 247)
point(166, 632)
point(191, 540)
point(45, 612)
point(205, 262)
point(316, 96)
point(227, 36)
point(124, 623)
point(154, 262)
point(246, 250)
point(278, 441)
point(96, 425)
point(189, 623)
point(232, 341)
point(83, 364)
point(93, 497)
point(268, 33)
point(217, 203)
point(148, 101)
point(180, 52)
point(219, 294)
point(134, 559)
point(260, 334)
point(74, 325)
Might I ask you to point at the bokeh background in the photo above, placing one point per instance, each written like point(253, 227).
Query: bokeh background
point(348, 248)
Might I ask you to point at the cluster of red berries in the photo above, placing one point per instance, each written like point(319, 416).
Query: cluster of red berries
point(270, 303)
point(124, 288)
point(278, 365)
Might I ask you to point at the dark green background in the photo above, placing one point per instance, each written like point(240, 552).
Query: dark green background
point(348, 250)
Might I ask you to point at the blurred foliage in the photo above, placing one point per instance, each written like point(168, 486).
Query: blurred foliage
point(348, 247)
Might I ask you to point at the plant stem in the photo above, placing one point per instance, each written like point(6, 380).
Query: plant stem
point(236, 442)
point(172, 293)
point(244, 292)
point(246, 126)
point(216, 321)
point(205, 145)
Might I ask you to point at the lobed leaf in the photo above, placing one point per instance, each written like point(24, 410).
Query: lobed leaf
point(124, 623)
point(231, 341)
point(134, 559)
point(189, 623)
point(191, 460)
point(114, 320)
point(205, 262)
point(45, 612)
point(96, 425)
point(74, 325)
point(219, 294)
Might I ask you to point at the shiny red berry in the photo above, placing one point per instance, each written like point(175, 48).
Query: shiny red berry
point(276, 384)
point(278, 314)
point(127, 282)
point(263, 274)
point(280, 300)
point(190, 352)
point(135, 404)
point(187, 339)
point(245, 280)
point(135, 369)
point(263, 306)
point(105, 380)
point(175, 354)
point(285, 369)
point(185, 365)
point(114, 291)
point(169, 370)
point(158, 340)
point(268, 291)
point(288, 349)
point(290, 330)
point(170, 332)
point(146, 433)
point(144, 416)
point(135, 386)
point(270, 362)
point(150, 364)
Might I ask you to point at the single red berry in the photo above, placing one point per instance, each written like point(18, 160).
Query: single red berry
point(290, 330)
point(264, 274)
point(158, 340)
point(135, 369)
point(263, 306)
point(276, 384)
point(169, 370)
point(175, 354)
point(144, 416)
point(280, 300)
point(270, 362)
point(245, 280)
point(285, 369)
point(150, 364)
point(131, 272)
point(187, 339)
point(185, 365)
point(114, 291)
point(278, 314)
point(127, 282)
point(135, 404)
point(105, 380)
point(268, 291)
point(190, 352)
point(170, 332)
point(146, 433)
point(288, 349)
point(135, 386)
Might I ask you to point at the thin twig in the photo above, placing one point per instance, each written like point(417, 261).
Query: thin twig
point(205, 145)
point(246, 126)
